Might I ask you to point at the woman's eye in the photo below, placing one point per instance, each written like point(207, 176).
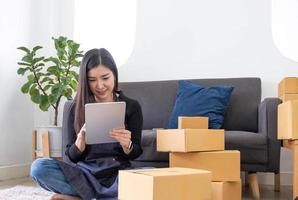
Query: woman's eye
point(91, 80)
point(106, 78)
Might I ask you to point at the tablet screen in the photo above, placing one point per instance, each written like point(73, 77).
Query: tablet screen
point(101, 118)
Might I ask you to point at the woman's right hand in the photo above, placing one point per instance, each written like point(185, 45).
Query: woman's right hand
point(80, 141)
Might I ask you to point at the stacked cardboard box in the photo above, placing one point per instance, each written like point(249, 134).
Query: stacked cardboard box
point(288, 89)
point(193, 145)
point(288, 110)
point(164, 184)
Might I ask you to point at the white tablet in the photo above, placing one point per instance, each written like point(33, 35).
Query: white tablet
point(100, 118)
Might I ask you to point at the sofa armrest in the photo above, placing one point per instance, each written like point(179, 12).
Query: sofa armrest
point(68, 133)
point(268, 125)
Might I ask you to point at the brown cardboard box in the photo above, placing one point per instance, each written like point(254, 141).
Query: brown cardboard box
point(287, 120)
point(189, 140)
point(288, 85)
point(192, 122)
point(224, 165)
point(289, 97)
point(164, 184)
point(226, 190)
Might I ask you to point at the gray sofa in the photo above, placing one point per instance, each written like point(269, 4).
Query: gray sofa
point(250, 125)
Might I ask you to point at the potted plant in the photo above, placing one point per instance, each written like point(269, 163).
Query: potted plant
point(49, 79)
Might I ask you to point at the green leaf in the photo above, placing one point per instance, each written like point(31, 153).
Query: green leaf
point(53, 59)
point(36, 98)
point(33, 90)
point(36, 48)
point(67, 92)
point(22, 63)
point(53, 70)
point(52, 99)
point(66, 80)
point(47, 87)
point(36, 60)
point(31, 78)
point(45, 79)
point(27, 58)
point(24, 49)
point(40, 64)
point(25, 88)
point(74, 84)
point(44, 103)
point(21, 71)
point(56, 89)
point(75, 63)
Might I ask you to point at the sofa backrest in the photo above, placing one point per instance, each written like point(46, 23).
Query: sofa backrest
point(157, 99)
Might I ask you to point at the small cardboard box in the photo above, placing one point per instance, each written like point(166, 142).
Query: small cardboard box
point(226, 190)
point(289, 97)
point(192, 122)
point(224, 165)
point(164, 183)
point(190, 140)
point(288, 85)
point(287, 120)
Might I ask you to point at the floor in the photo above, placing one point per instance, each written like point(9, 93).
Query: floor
point(267, 191)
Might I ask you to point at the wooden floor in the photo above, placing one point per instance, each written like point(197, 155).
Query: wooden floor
point(267, 191)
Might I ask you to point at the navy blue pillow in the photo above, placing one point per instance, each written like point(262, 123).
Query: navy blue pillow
point(196, 100)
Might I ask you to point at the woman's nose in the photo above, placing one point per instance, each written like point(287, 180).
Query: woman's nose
point(100, 84)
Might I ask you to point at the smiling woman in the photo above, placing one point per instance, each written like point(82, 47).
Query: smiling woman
point(106, 23)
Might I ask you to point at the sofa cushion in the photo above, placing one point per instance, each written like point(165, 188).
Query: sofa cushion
point(195, 100)
point(149, 148)
point(252, 146)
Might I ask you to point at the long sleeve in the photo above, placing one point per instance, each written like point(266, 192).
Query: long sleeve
point(134, 123)
point(69, 135)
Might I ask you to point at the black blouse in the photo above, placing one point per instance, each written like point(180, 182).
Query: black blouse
point(133, 123)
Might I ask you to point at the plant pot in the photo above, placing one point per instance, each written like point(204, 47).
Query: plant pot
point(54, 141)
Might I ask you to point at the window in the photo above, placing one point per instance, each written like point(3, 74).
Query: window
point(284, 27)
point(106, 23)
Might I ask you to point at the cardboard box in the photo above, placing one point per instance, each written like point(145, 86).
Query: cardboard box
point(190, 140)
point(164, 183)
point(224, 165)
point(289, 97)
point(192, 122)
point(288, 85)
point(226, 190)
point(287, 120)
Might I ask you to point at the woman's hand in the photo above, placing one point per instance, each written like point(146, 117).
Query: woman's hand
point(122, 136)
point(80, 141)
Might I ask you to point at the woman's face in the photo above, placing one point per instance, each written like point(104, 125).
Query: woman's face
point(101, 82)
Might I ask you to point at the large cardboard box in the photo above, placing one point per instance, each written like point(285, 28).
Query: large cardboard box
point(164, 184)
point(192, 122)
point(288, 85)
point(226, 190)
point(287, 120)
point(224, 165)
point(190, 140)
point(289, 97)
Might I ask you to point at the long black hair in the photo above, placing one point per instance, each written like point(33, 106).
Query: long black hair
point(92, 58)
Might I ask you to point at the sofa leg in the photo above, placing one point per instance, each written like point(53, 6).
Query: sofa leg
point(277, 182)
point(254, 185)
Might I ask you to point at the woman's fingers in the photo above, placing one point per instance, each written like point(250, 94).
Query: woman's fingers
point(123, 136)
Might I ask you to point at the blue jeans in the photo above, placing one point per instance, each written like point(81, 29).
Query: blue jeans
point(47, 174)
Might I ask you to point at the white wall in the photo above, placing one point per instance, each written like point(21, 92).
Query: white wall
point(208, 39)
point(198, 38)
point(24, 23)
point(16, 111)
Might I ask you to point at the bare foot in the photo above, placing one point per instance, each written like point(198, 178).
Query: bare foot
point(63, 197)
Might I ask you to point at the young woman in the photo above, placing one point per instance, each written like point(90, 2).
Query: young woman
point(92, 172)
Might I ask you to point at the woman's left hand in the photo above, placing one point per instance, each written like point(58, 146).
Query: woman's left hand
point(123, 136)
